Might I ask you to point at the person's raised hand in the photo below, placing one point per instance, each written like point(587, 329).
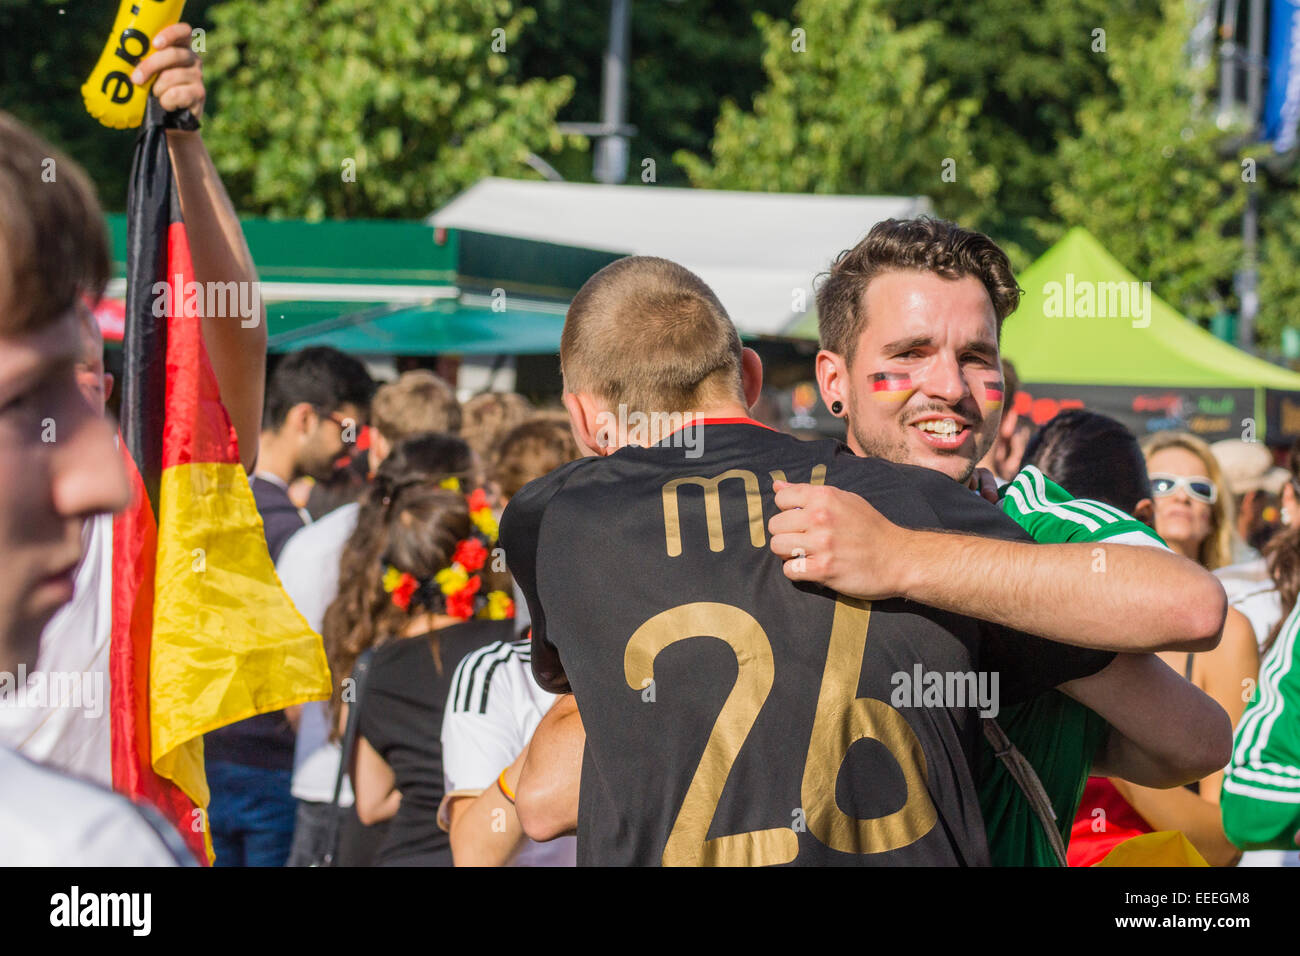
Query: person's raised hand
point(836, 538)
point(179, 70)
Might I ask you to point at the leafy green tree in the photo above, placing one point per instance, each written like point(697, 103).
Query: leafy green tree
point(1030, 64)
point(352, 108)
point(1279, 254)
point(1150, 176)
point(849, 108)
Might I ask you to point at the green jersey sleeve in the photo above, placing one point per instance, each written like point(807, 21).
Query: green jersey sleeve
point(1261, 788)
point(1049, 513)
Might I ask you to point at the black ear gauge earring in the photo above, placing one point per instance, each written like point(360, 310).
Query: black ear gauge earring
point(837, 407)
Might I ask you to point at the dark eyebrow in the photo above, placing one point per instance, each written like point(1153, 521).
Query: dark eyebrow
point(903, 345)
point(982, 346)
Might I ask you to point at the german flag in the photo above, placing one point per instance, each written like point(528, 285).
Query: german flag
point(891, 386)
point(203, 634)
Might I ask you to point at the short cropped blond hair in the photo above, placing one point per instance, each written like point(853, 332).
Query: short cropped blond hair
point(417, 402)
point(650, 334)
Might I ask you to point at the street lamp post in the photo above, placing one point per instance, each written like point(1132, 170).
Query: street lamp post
point(612, 132)
point(1248, 279)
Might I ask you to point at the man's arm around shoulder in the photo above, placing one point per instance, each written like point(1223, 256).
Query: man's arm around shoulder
point(1107, 597)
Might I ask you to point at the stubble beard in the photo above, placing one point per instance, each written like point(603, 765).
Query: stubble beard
point(894, 447)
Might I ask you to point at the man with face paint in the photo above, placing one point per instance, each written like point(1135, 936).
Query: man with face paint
point(910, 320)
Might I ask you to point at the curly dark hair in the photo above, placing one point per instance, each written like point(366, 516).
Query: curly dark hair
point(923, 244)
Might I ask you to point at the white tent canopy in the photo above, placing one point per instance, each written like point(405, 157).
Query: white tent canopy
point(756, 250)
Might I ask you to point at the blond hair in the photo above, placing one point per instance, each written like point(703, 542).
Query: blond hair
point(1216, 550)
point(488, 416)
point(417, 402)
point(650, 334)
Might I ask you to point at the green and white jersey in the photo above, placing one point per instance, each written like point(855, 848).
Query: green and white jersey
point(1261, 787)
point(1048, 512)
point(1056, 734)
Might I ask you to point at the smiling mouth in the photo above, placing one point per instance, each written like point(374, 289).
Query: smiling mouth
point(943, 433)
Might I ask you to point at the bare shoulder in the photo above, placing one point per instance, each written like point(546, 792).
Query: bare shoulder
point(1238, 642)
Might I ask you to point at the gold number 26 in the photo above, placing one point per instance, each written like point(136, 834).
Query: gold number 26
point(841, 719)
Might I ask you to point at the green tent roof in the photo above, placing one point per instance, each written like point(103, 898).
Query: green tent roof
point(393, 288)
point(469, 326)
point(1057, 335)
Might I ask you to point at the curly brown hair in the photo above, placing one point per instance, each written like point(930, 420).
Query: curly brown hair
point(407, 519)
point(531, 450)
point(923, 244)
point(1283, 556)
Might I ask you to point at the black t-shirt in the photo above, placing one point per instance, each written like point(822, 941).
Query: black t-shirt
point(731, 715)
point(401, 716)
point(280, 516)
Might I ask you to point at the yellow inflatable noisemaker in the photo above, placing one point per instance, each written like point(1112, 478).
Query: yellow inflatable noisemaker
point(110, 95)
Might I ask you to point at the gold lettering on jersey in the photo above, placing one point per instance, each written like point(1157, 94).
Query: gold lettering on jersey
point(843, 718)
point(818, 476)
point(713, 509)
point(688, 843)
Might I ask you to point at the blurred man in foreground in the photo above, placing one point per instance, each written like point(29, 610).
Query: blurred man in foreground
point(59, 470)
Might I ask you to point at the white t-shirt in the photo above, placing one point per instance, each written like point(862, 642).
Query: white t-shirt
point(48, 818)
point(494, 707)
point(309, 570)
point(1250, 590)
point(61, 718)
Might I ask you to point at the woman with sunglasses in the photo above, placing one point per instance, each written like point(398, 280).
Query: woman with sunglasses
point(1192, 513)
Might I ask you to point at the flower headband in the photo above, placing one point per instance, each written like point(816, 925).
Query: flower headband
point(456, 587)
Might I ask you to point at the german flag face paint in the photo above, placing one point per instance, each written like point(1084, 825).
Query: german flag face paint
point(892, 388)
point(992, 396)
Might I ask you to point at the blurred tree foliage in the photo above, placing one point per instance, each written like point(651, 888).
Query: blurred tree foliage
point(850, 107)
point(47, 49)
point(889, 89)
point(1150, 177)
point(1057, 115)
point(355, 108)
point(1019, 117)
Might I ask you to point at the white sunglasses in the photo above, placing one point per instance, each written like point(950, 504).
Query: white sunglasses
point(1197, 486)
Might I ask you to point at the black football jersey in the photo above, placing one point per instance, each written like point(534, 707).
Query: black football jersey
point(734, 717)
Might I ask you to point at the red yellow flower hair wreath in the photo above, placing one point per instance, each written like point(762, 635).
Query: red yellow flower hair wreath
point(455, 590)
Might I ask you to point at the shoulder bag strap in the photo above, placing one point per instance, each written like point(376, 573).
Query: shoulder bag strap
point(1026, 778)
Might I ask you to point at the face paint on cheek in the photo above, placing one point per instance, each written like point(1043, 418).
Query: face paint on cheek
point(891, 388)
point(992, 396)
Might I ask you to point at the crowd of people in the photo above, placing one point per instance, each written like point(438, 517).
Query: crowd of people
point(950, 639)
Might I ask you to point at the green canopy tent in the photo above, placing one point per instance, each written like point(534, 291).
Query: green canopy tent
point(1089, 334)
point(382, 288)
